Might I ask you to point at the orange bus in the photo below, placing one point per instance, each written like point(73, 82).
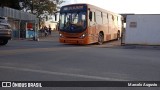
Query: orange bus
point(87, 24)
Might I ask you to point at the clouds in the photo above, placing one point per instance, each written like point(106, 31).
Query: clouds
point(124, 6)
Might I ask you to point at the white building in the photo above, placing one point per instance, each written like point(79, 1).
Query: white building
point(142, 29)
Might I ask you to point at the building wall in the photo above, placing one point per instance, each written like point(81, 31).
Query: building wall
point(143, 29)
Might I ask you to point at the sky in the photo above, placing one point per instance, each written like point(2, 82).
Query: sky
point(124, 6)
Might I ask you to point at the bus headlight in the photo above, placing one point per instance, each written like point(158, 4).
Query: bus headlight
point(83, 35)
point(60, 35)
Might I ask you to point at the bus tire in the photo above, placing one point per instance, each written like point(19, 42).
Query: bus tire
point(3, 42)
point(100, 38)
point(118, 35)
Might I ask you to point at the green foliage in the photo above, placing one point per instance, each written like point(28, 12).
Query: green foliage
point(42, 8)
point(37, 7)
point(10, 3)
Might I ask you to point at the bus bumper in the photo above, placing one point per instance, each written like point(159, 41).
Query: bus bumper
point(73, 41)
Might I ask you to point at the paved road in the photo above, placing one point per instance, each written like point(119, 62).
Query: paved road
point(48, 60)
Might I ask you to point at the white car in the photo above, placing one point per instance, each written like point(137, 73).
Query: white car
point(5, 31)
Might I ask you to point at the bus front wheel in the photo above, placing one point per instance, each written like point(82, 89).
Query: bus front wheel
point(100, 38)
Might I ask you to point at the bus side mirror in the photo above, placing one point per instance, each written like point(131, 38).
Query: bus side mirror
point(90, 16)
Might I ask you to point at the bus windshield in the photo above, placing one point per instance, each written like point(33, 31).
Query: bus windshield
point(73, 22)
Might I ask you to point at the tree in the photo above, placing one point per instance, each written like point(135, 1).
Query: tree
point(41, 8)
point(10, 3)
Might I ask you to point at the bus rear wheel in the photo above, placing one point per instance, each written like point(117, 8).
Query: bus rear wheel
point(118, 35)
point(100, 38)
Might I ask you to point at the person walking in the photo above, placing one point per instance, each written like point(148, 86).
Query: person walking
point(46, 31)
point(49, 30)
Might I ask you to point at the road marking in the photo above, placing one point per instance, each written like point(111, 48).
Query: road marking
point(61, 73)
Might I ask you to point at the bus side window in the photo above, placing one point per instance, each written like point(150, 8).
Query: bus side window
point(90, 16)
point(105, 19)
point(98, 17)
point(94, 16)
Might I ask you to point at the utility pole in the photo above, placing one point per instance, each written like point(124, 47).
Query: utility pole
point(34, 22)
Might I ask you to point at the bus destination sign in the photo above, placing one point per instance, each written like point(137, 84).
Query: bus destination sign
point(72, 8)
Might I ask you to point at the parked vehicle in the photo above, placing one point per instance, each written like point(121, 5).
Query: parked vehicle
point(5, 31)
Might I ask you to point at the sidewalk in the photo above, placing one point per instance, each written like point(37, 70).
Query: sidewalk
point(152, 47)
point(54, 36)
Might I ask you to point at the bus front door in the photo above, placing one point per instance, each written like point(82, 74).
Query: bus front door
point(92, 28)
